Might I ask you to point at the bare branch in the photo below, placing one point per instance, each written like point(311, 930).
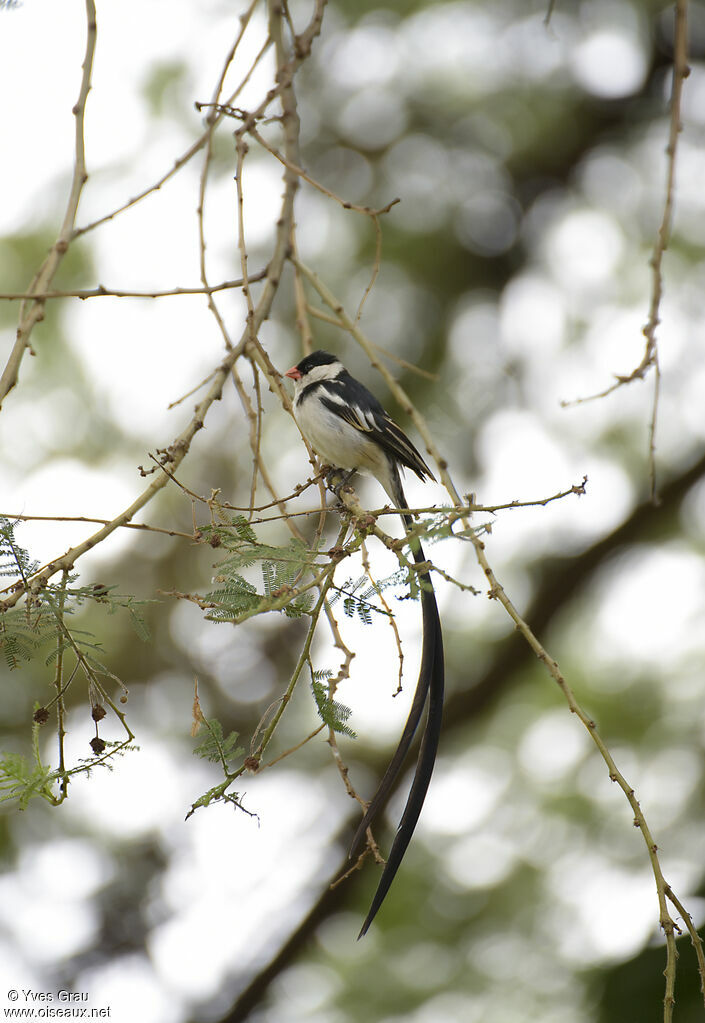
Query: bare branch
point(84, 518)
point(180, 447)
point(681, 70)
point(44, 276)
point(102, 292)
point(181, 161)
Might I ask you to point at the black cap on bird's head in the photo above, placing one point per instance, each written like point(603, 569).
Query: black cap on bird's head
point(312, 361)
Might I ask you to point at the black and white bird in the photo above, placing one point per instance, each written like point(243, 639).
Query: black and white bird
point(348, 429)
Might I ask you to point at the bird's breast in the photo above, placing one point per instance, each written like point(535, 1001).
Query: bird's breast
point(334, 440)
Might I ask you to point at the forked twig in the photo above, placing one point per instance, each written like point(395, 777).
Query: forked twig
point(650, 359)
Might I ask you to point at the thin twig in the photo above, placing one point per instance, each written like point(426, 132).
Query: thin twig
point(292, 749)
point(694, 936)
point(180, 162)
point(196, 387)
point(325, 583)
point(44, 276)
point(681, 70)
point(300, 172)
point(213, 120)
point(180, 447)
point(58, 686)
point(390, 616)
point(375, 267)
point(85, 518)
point(103, 292)
point(497, 592)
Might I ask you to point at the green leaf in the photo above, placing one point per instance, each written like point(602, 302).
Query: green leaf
point(333, 714)
point(215, 747)
point(21, 780)
point(268, 577)
point(20, 636)
point(218, 795)
point(237, 596)
point(301, 606)
point(14, 560)
point(138, 623)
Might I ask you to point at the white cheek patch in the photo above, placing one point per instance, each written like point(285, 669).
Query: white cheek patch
point(328, 372)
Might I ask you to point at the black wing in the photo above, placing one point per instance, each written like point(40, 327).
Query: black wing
point(351, 400)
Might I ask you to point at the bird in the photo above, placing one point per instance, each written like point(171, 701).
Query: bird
point(349, 429)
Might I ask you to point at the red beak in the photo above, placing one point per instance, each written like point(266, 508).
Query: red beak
point(293, 373)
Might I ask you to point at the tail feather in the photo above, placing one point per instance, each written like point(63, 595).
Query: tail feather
point(430, 684)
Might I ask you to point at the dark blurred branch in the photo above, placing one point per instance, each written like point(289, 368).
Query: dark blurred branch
point(331, 901)
point(563, 579)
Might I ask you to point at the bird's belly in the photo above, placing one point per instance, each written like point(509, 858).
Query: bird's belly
point(336, 442)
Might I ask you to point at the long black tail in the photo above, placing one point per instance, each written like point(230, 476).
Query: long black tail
point(430, 684)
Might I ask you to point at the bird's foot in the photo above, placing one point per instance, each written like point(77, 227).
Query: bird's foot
point(336, 479)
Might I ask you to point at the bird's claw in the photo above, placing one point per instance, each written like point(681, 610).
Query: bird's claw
point(336, 479)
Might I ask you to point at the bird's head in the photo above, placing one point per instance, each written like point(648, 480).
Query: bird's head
point(316, 366)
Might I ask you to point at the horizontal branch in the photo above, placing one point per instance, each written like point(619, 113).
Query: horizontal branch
point(84, 518)
point(103, 292)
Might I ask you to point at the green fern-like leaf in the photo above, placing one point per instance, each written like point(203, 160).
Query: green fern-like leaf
point(21, 780)
point(234, 598)
point(70, 597)
point(244, 529)
point(356, 602)
point(268, 578)
point(216, 747)
point(14, 559)
point(333, 714)
point(20, 636)
point(301, 606)
point(138, 623)
point(281, 569)
point(364, 613)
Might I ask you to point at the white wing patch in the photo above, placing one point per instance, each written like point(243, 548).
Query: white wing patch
point(353, 414)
